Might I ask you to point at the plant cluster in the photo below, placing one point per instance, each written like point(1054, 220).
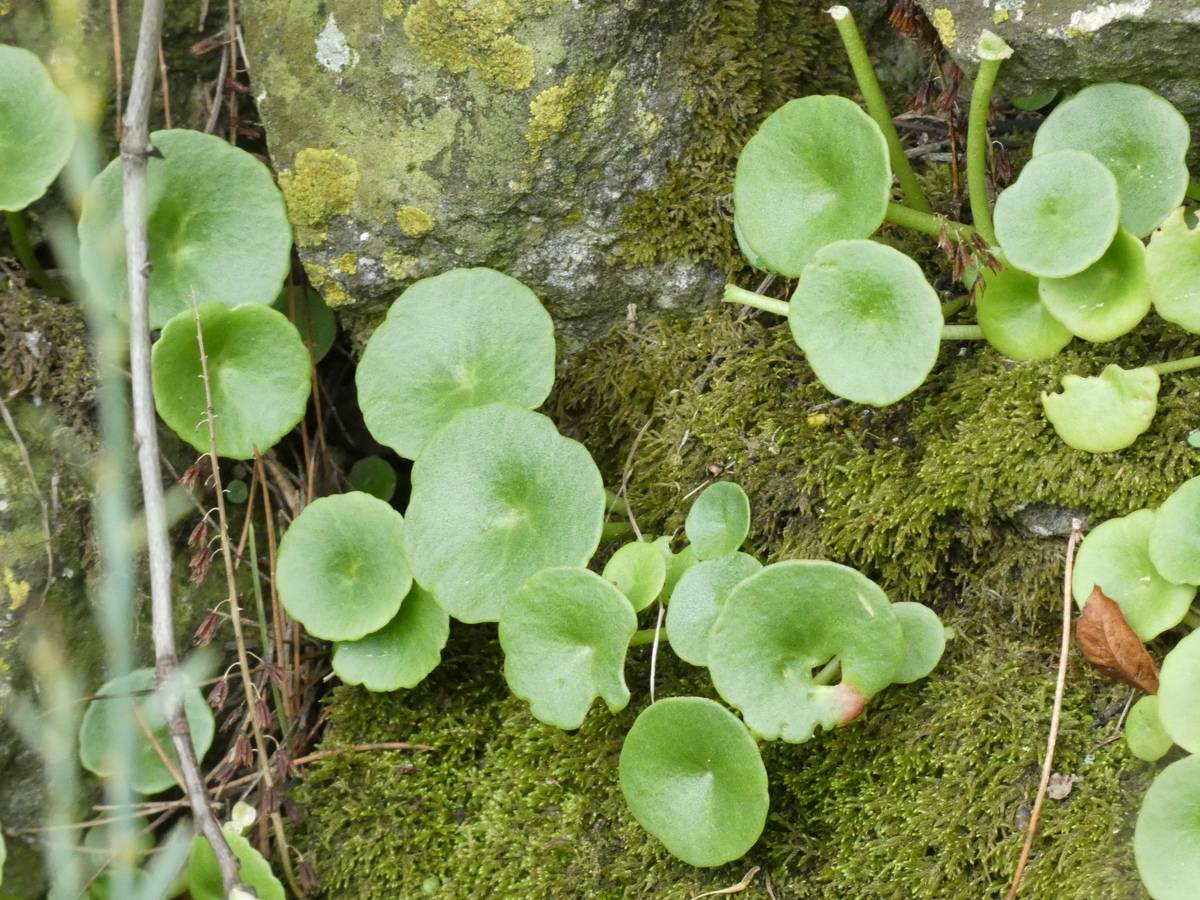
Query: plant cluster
point(1064, 259)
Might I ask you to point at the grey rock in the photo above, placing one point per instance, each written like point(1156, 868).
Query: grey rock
point(1046, 520)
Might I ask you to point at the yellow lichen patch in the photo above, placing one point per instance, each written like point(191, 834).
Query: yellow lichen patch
point(461, 37)
point(1000, 16)
point(347, 264)
point(18, 590)
point(943, 21)
point(399, 265)
point(393, 9)
point(549, 111)
point(414, 221)
point(335, 294)
point(322, 184)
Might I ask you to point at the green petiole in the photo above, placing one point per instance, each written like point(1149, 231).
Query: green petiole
point(743, 297)
point(646, 636)
point(992, 52)
point(926, 223)
point(25, 255)
point(1176, 365)
point(962, 333)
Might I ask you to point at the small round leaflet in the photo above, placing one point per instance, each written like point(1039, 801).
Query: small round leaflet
point(1106, 412)
point(1059, 216)
point(98, 741)
point(1166, 840)
point(1137, 135)
point(867, 320)
point(693, 777)
point(258, 373)
point(217, 226)
point(456, 341)
point(639, 571)
point(375, 476)
point(499, 495)
point(204, 876)
point(1105, 300)
point(564, 636)
point(1175, 537)
point(924, 641)
point(1013, 317)
point(815, 172)
point(402, 652)
point(341, 572)
point(718, 521)
point(314, 320)
point(1115, 557)
point(697, 600)
point(38, 129)
point(1173, 267)
point(779, 625)
point(1144, 733)
point(1179, 693)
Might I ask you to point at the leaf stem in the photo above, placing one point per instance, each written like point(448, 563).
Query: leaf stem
point(927, 223)
point(962, 333)
point(644, 636)
point(1176, 365)
point(613, 531)
point(28, 259)
point(830, 673)
point(735, 294)
point(950, 307)
point(977, 134)
point(868, 83)
point(1191, 619)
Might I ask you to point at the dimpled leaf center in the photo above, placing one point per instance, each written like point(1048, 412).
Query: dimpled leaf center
point(1106, 412)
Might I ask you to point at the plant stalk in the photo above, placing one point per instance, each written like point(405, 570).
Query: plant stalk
point(28, 259)
point(1176, 365)
point(932, 225)
point(735, 294)
point(962, 333)
point(977, 147)
point(868, 83)
point(613, 531)
point(830, 672)
point(644, 636)
point(135, 150)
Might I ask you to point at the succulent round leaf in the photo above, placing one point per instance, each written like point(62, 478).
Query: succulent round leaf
point(697, 600)
point(1106, 412)
point(402, 652)
point(867, 320)
point(341, 570)
point(1013, 317)
point(815, 172)
point(1105, 300)
point(1175, 535)
point(217, 226)
point(1137, 135)
point(564, 636)
point(1173, 268)
point(1059, 216)
point(258, 372)
point(693, 777)
point(924, 641)
point(314, 320)
point(456, 341)
point(497, 496)
point(1166, 840)
point(375, 476)
point(1179, 693)
point(98, 739)
point(37, 126)
point(204, 876)
point(718, 521)
point(790, 618)
point(1115, 557)
point(639, 571)
point(1144, 732)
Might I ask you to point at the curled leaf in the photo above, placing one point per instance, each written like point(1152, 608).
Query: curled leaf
point(1112, 647)
point(1106, 412)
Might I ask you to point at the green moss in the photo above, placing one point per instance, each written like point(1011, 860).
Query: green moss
point(321, 184)
point(414, 221)
point(461, 37)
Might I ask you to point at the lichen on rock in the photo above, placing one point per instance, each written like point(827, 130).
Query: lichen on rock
point(320, 185)
point(472, 36)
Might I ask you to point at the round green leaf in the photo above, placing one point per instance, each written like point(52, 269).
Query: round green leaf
point(564, 636)
point(97, 738)
point(697, 600)
point(1137, 135)
point(1013, 318)
point(314, 320)
point(401, 653)
point(747, 251)
point(718, 521)
point(1144, 732)
point(1175, 536)
point(498, 495)
point(236, 491)
point(1106, 412)
point(1059, 216)
point(37, 128)
point(217, 225)
point(1036, 100)
point(258, 372)
point(639, 571)
point(924, 641)
point(693, 777)
point(867, 320)
point(677, 563)
point(457, 341)
point(341, 570)
point(1105, 300)
point(1166, 841)
point(776, 627)
point(815, 172)
point(1173, 267)
point(375, 476)
point(1179, 693)
point(1115, 557)
point(204, 876)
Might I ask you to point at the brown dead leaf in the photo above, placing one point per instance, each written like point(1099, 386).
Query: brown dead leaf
point(1111, 646)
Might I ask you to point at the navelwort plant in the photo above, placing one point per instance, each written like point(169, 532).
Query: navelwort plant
point(1148, 562)
point(1064, 259)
